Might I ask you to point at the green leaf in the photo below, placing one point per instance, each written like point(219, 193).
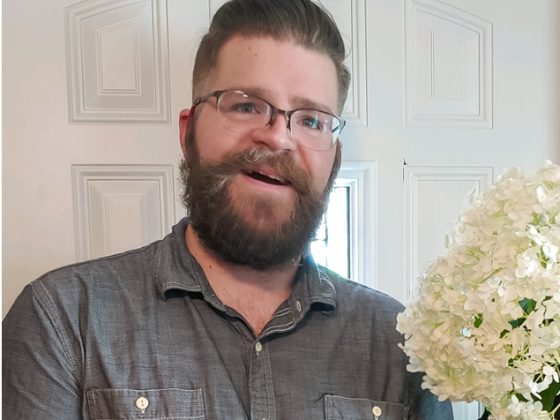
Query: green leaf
point(548, 396)
point(528, 305)
point(477, 320)
point(516, 323)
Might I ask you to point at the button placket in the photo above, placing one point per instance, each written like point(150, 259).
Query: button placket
point(260, 383)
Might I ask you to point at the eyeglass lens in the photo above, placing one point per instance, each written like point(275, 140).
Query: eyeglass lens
point(313, 129)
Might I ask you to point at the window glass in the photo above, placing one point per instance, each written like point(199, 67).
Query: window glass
point(331, 245)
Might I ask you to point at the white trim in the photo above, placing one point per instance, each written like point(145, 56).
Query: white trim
point(84, 175)
point(361, 177)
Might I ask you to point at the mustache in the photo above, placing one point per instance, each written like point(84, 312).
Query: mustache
point(247, 160)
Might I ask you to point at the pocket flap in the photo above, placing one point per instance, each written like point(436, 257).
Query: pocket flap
point(169, 403)
point(344, 408)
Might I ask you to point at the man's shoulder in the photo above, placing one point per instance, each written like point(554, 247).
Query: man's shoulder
point(364, 311)
point(359, 296)
point(116, 271)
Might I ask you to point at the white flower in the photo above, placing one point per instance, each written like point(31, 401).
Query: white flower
point(484, 323)
point(549, 371)
point(526, 410)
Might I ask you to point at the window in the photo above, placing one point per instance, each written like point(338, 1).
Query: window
point(345, 240)
point(331, 245)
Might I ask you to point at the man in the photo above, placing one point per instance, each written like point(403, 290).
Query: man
point(228, 317)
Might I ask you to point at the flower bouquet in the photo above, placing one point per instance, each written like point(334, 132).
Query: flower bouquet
point(484, 323)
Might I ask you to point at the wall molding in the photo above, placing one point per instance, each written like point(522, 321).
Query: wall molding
point(448, 66)
point(475, 179)
point(356, 108)
point(118, 61)
point(109, 199)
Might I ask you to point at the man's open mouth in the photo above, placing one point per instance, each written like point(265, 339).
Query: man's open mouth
point(268, 178)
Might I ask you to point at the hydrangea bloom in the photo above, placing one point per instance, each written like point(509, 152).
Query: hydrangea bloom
point(484, 323)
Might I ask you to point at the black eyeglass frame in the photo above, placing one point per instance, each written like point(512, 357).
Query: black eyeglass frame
point(274, 110)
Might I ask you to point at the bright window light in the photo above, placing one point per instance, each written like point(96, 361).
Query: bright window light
point(331, 245)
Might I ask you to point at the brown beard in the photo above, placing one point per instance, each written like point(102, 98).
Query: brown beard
point(221, 228)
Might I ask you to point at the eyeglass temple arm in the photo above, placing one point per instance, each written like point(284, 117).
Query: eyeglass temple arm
point(185, 117)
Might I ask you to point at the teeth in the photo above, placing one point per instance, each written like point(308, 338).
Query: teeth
point(273, 177)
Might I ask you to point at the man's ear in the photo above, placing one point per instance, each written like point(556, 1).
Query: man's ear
point(185, 118)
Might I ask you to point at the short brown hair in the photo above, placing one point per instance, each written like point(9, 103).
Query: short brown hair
point(300, 21)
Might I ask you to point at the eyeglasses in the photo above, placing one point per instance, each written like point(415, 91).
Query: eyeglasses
point(313, 129)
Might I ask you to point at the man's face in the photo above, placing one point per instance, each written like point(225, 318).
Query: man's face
point(259, 193)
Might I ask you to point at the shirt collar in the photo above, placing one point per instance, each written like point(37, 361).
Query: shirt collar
point(177, 272)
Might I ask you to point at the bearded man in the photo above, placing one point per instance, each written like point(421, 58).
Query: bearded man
point(228, 317)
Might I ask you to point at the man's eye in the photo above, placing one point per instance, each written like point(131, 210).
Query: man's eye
point(311, 123)
point(246, 108)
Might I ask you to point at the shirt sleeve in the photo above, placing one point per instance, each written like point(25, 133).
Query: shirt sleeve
point(40, 375)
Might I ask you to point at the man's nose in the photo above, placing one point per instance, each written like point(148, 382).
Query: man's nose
point(276, 134)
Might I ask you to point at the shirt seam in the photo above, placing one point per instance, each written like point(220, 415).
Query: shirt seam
point(46, 303)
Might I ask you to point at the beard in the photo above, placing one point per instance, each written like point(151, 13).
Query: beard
point(257, 232)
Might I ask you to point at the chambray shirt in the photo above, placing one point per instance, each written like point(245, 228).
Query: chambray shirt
point(141, 335)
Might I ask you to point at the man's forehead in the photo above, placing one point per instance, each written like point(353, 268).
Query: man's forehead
point(265, 66)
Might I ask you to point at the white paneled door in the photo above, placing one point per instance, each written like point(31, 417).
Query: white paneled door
point(445, 95)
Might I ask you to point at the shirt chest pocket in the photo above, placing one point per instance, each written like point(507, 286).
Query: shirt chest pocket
point(343, 408)
point(152, 404)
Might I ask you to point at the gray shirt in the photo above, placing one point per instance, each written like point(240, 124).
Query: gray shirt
point(141, 335)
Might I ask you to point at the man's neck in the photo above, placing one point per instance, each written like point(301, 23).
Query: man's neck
point(255, 294)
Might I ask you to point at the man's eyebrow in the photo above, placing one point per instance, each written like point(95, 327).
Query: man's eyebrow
point(308, 103)
point(297, 101)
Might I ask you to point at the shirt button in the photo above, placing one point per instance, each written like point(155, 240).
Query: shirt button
point(258, 346)
point(298, 305)
point(142, 403)
point(377, 411)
